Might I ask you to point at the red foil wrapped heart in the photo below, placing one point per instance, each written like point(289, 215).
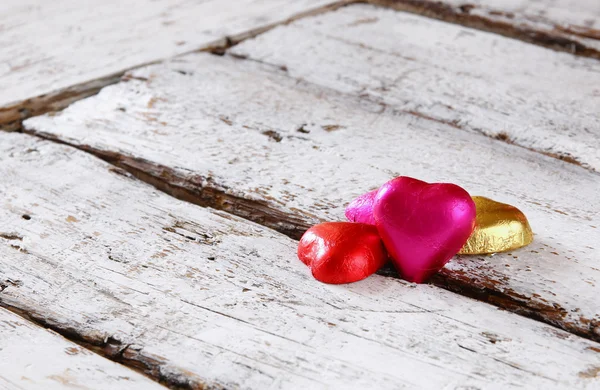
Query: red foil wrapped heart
point(422, 225)
point(342, 252)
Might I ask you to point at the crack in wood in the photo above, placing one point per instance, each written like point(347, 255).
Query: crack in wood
point(463, 15)
point(8, 283)
point(507, 299)
point(206, 193)
point(63, 363)
point(171, 182)
point(460, 283)
point(11, 236)
point(12, 116)
point(119, 352)
point(566, 157)
point(501, 136)
point(213, 195)
point(580, 31)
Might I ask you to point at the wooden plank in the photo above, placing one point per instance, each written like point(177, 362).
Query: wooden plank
point(200, 297)
point(475, 81)
point(567, 25)
point(54, 53)
point(248, 138)
point(35, 358)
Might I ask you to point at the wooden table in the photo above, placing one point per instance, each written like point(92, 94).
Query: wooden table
point(160, 159)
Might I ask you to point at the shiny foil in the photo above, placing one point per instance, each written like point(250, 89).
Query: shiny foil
point(499, 227)
point(361, 208)
point(422, 225)
point(342, 252)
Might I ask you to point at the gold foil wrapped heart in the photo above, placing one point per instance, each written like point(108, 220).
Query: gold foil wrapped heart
point(499, 227)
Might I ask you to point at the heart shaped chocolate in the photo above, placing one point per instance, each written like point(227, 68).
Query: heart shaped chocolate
point(499, 227)
point(361, 208)
point(342, 252)
point(422, 225)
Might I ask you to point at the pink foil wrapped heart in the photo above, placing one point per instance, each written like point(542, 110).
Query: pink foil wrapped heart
point(361, 208)
point(422, 225)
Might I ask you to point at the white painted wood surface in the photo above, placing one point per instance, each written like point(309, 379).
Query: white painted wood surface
point(570, 25)
point(55, 52)
point(294, 154)
point(52, 51)
point(481, 82)
point(198, 296)
point(547, 14)
point(35, 358)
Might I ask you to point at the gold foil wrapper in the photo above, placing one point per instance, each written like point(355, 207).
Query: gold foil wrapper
point(499, 227)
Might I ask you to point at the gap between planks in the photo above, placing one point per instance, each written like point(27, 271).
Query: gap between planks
point(502, 136)
point(501, 22)
point(164, 277)
point(471, 15)
point(107, 348)
point(170, 182)
point(200, 188)
point(466, 79)
point(11, 118)
point(166, 179)
point(60, 100)
point(13, 115)
point(205, 191)
point(72, 376)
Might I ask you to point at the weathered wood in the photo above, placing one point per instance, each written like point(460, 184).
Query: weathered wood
point(572, 26)
point(248, 138)
point(35, 358)
point(53, 53)
point(196, 296)
point(475, 81)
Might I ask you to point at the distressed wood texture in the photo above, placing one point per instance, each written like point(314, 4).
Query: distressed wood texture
point(567, 25)
point(475, 81)
point(200, 297)
point(53, 53)
point(35, 358)
point(248, 138)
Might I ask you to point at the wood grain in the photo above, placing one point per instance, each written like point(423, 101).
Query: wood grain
point(198, 297)
point(247, 138)
point(35, 358)
point(565, 25)
point(474, 81)
point(56, 52)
